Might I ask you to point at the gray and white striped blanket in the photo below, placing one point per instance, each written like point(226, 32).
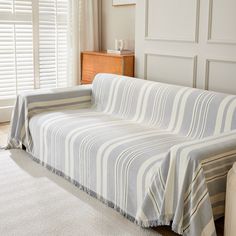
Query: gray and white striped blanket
point(30, 103)
point(157, 153)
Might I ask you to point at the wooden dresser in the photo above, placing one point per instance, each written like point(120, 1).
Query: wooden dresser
point(93, 63)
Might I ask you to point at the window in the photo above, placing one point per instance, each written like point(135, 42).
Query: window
point(34, 51)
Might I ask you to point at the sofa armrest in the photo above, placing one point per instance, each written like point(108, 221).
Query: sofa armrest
point(31, 103)
point(230, 206)
point(196, 181)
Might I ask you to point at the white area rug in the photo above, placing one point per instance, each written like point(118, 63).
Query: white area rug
point(33, 201)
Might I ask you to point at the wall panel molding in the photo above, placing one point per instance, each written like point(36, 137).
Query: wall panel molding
point(192, 58)
point(208, 70)
point(183, 40)
point(174, 55)
point(210, 39)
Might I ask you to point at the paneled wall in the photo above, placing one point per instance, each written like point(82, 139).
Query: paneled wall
point(187, 42)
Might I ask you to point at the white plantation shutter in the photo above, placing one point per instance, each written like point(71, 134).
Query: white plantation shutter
point(23, 45)
point(16, 48)
point(34, 51)
point(24, 57)
point(6, 6)
point(7, 61)
point(63, 53)
point(53, 54)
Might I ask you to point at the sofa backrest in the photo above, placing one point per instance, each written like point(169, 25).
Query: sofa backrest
point(192, 112)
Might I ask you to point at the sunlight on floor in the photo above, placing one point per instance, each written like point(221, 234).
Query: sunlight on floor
point(4, 129)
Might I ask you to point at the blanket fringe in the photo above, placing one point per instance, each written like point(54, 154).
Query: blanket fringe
point(166, 220)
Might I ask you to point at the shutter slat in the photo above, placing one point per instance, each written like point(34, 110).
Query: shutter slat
point(17, 45)
point(24, 56)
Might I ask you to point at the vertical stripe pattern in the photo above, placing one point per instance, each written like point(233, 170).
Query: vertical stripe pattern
point(155, 152)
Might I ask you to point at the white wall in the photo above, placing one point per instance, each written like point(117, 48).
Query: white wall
point(187, 42)
point(118, 22)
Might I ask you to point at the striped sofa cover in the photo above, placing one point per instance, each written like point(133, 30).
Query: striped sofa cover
point(157, 153)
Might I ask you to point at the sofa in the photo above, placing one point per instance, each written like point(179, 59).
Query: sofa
point(230, 206)
point(157, 153)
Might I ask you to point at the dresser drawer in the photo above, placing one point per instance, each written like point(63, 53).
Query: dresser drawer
point(95, 62)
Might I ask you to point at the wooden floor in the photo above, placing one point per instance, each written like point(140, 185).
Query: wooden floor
point(163, 230)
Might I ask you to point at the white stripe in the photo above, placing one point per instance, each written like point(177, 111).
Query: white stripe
point(209, 229)
point(193, 196)
point(140, 175)
point(181, 112)
point(145, 103)
point(170, 182)
point(183, 163)
point(221, 113)
point(136, 152)
point(44, 130)
point(140, 216)
point(229, 116)
point(116, 144)
point(194, 209)
point(106, 148)
point(194, 114)
point(175, 108)
point(184, 154)
point(127, 100)
point(204, 123)
point(140, 101)
point(150, 194)
point(110, 99)
point(72, 136)
point(115, 98)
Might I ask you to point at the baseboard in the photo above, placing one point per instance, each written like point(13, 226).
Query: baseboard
point(5, 113)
